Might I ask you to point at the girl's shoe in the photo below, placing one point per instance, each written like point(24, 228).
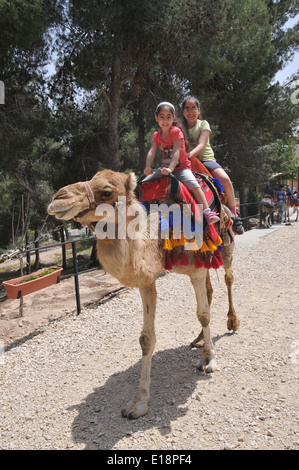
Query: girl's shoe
point(211, 217)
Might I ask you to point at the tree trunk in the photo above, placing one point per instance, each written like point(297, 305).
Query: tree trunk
point(28, 261)
point(36, 245)
point(141, 138)
point(114, 111)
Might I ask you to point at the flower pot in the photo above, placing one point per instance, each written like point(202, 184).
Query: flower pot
point(15, 288)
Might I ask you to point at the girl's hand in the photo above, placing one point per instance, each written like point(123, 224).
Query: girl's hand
point(147, 170)
point(165, 171)
point(190, 156)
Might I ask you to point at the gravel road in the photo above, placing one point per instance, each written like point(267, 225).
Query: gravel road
point(64, 387)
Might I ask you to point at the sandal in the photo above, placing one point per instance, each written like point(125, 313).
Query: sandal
point(211, 217)
point(238, 226)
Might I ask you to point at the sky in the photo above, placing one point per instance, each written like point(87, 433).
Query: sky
point(292, 67)
point(283, 76)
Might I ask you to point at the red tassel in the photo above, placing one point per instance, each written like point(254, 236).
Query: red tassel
point(197, 262)
point(168, 263)
point(207, 263)
point(174, 258)
point(215, 263)
point(213, 234)
point(184, 260)
point(219, 257)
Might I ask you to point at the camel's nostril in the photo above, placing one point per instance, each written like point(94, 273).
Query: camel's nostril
point(61, 194)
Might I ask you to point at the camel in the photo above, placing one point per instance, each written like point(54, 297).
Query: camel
point(267, 207)
point(138, 262)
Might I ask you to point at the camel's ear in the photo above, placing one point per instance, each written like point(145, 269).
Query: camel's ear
point(131, 182)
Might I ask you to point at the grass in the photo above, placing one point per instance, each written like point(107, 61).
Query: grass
point(36, 276)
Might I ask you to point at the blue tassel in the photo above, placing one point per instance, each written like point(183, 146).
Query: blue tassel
point(218, 185)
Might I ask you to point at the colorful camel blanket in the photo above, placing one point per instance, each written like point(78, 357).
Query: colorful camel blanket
point(208, 254)
point(294, 201)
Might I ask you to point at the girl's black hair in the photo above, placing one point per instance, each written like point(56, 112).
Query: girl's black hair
point(177, 122)
point(191, 98)
point(184, 130)
point(184, 123)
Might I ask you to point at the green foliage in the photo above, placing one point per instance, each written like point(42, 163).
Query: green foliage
point(37, 276)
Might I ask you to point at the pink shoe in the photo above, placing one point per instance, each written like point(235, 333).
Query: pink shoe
point(211, 217)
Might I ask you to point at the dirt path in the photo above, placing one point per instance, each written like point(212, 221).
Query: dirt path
point(64, 387)
point(53, 303)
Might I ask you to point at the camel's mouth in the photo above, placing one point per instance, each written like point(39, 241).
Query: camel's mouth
point(64, 213)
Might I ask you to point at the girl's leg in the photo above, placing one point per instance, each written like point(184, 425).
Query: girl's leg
point(228, 188)
point(199, 196)
point(188, 179)
point(229, 192)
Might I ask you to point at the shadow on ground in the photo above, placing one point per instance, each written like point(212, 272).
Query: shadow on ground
point(99, 424)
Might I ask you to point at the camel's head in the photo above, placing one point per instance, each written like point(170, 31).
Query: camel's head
point(79, 201)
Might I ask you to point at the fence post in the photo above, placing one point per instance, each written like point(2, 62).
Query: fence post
point(63, 248)
point(76, 276)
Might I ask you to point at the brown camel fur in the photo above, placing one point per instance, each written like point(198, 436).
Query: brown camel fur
point(137, 263)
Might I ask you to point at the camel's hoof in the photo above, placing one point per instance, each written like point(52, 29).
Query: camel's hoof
point(207, 366)
point(233, 324)
point(197, 344)
point(134, 411)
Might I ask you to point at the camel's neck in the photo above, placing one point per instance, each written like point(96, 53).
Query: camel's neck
point(129, 253)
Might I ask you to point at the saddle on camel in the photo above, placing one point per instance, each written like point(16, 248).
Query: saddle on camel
point(208, 254)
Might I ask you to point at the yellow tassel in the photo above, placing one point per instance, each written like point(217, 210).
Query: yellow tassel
point(204, 247)
point(212, 246)
point(167, 244)
point(175, 241)
point(183, 240)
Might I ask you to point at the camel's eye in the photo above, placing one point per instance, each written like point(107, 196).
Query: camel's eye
point(107, 193)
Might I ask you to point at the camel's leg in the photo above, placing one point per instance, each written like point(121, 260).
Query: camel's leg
point(138, 406)
point(233, 322)
point(199, 341)
point(286, 214)
point(198, 279)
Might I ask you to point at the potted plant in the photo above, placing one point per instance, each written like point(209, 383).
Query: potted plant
point(20, 286)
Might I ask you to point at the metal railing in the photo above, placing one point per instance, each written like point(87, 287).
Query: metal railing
point(76, 271)
point(244, 217)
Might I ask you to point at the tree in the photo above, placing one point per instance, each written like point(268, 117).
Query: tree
point(118, 48)
point(25, 119)
point(249, 112)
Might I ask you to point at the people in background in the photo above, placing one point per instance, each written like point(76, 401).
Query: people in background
point(281, 198)
point(268, 191)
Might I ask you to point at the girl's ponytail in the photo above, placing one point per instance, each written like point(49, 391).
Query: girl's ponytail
point(184, 128)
